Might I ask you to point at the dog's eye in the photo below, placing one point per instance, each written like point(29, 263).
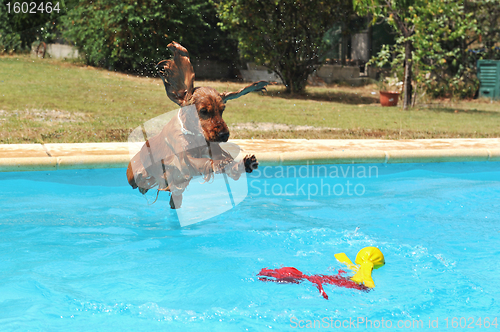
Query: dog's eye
point(203, 111)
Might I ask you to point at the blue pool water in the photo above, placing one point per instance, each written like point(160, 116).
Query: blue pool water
point(81, 251)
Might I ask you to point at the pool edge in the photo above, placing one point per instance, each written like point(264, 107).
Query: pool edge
point(59, 156)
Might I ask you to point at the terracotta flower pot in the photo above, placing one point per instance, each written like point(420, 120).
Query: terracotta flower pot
point(389, 98)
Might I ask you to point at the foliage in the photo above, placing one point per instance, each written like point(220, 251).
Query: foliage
point(396, 13)
point(487, 38)
point(441, 37)
point(442, 34)
point(287, 36)
point(9, 41)
point(19, 30)
point(133, 34)
point(487, 13)
point(124, 35)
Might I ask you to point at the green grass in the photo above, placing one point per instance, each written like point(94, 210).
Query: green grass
point(52, 101)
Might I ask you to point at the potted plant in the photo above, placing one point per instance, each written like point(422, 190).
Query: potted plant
point(389, 90)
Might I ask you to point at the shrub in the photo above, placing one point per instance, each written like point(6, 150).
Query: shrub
point(132, 35)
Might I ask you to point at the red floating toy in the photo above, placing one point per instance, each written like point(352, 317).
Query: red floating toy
point(294, 276)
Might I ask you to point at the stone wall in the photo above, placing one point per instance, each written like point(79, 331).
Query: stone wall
point(337, 73)
point(212, 70)
point(58, 51)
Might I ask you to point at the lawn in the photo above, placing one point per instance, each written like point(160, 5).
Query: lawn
point(43, 100)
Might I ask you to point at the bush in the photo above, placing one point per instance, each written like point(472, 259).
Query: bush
point(132, 35)
point(9, 40)
point(442, 31)
point(19, 30)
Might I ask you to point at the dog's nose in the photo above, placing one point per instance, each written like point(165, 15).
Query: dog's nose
point(224, 136)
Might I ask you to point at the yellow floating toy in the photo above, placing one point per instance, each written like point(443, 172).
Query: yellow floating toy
point(367, 259)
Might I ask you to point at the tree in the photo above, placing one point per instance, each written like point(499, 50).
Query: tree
point(397, 14)
point(487, 13)
point(441, 33)
point(285, 35)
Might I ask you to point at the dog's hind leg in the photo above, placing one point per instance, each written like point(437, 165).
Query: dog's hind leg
point(175, 201)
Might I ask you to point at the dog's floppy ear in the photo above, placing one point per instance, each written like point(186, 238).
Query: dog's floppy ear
point(177, 74)
point(257, 86)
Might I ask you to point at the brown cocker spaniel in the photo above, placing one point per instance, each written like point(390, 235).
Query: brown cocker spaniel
point(188, 145)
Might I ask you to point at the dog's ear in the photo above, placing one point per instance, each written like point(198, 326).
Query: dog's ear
point(177, 74)
point(257, 86)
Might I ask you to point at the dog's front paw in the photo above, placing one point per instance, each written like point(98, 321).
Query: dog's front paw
point(251, 163)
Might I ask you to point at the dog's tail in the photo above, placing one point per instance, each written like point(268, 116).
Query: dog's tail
point(140, 179)
point(131, 177)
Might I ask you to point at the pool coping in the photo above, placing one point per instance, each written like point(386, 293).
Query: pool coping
point(269, 152)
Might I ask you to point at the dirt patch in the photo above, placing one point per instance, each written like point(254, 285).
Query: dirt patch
point(44, 115)
point(114, 135)
point(269, 126)
point(3, 115)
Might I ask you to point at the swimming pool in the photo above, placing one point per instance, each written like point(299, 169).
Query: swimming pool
point(80, 250)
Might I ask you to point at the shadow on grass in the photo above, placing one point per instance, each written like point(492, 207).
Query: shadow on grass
point(330, 96)
point(454, 110)
point(353, 134)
